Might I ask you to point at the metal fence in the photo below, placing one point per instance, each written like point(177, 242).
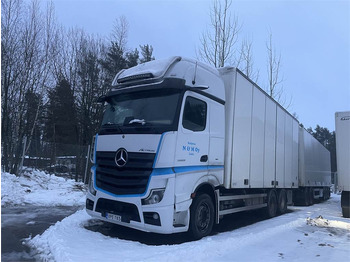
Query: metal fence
point(66, 160)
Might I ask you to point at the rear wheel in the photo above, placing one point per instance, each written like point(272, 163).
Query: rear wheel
point(282, 201)
point(306, 196)
point(202, 216)
point(271, 209)
point(345, 203)
point(311, 202)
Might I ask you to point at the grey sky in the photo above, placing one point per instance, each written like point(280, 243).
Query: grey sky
point(312, 36)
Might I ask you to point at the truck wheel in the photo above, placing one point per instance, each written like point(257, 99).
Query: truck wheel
point(345, 203)
point(271, 204)
point(202, 216)
point(306, 196)
point(282, 201)
point(346, 212)
point(311, 202)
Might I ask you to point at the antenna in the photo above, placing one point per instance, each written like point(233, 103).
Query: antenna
point(195, 73)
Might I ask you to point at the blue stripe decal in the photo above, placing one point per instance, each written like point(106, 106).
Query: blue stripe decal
point(158, 148)
point(184, 169)
point(162, 171)
point(157, 172)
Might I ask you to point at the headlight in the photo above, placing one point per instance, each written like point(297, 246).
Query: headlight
point(154, 197)
point(91, 186)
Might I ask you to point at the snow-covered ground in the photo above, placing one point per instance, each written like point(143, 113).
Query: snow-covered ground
point(316, 233)
point(41, 189)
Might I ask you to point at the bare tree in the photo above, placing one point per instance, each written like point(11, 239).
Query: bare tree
point(275, 88)
point(120, 32)
point(217, 43)
point(246, 62)
point(26, 59)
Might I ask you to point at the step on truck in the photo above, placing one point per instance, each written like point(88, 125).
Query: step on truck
point(342, 135)
point(183, 144)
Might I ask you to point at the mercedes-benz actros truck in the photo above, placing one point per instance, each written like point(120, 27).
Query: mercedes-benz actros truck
point(183, 144)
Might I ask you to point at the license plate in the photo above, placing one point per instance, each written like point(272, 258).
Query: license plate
point(114, 217)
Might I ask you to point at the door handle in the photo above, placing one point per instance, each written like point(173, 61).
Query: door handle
point(204, 158)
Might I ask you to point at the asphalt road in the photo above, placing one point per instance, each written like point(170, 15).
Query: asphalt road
point(19, 223)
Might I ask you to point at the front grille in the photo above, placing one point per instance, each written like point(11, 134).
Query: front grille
point(126, 210)
point(130, 179)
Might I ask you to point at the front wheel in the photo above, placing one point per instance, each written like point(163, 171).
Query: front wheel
point(202, 216)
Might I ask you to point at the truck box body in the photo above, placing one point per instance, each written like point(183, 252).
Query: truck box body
point(264, 148)
point(182, 144)
point(314, 164)
point(342, 130)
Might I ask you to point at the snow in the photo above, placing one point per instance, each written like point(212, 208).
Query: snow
point(315, 233)
point(41, 189)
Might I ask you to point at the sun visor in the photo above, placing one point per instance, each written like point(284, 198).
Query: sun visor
point(153, 69)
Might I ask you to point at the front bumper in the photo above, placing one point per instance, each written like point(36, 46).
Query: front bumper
point(158, 218)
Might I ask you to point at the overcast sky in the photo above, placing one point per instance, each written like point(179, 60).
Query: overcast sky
point(312, 36)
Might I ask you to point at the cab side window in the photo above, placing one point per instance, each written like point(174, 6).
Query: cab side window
point(195, 114)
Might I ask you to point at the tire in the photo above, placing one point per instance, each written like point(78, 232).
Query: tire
point(311, 196)
point(346, 212)
point(201, 216)
point(345, 203)
point(271, 209)
point(282, 202)
point(306, 196)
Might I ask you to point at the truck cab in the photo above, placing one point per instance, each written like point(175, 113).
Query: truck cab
point(160, 145)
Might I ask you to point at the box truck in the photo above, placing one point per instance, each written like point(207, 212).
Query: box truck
point(183, 144)
point(342, 135)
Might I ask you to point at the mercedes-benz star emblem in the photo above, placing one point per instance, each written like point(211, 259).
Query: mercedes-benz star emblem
point(121, 157)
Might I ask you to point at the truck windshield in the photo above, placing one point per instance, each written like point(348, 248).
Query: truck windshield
point(154, 111)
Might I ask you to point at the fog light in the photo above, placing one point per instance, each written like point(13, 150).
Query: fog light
point(151, 218)
point(154, 197)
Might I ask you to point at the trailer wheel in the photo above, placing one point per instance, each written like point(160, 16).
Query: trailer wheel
point(282, 201)
point(346, 212)
point(271, 209)
point(201, 216)
point(345, 203)
point(311, 202)
point(306, 196)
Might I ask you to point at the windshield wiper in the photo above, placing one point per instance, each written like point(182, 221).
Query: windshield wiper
point(137, 121)
point(108, 124)
point(111, 125)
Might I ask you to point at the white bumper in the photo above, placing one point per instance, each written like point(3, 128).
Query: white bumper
point(170, 221)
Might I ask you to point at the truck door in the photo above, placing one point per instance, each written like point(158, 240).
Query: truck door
point(192, 147)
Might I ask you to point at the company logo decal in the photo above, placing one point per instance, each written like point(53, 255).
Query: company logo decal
point(345, 118)
point(191, 148)
point(147, 150)
point(121, 157)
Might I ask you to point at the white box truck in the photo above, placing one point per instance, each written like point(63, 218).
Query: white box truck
point(342, 135)
point(182, 144)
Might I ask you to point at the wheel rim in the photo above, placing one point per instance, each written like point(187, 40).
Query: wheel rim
point(203, 217)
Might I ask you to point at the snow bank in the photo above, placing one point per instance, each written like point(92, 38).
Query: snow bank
point(42, 189)
point(291, 237)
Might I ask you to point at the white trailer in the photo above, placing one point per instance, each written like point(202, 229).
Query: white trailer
point(342, 130)
point(182, 144)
